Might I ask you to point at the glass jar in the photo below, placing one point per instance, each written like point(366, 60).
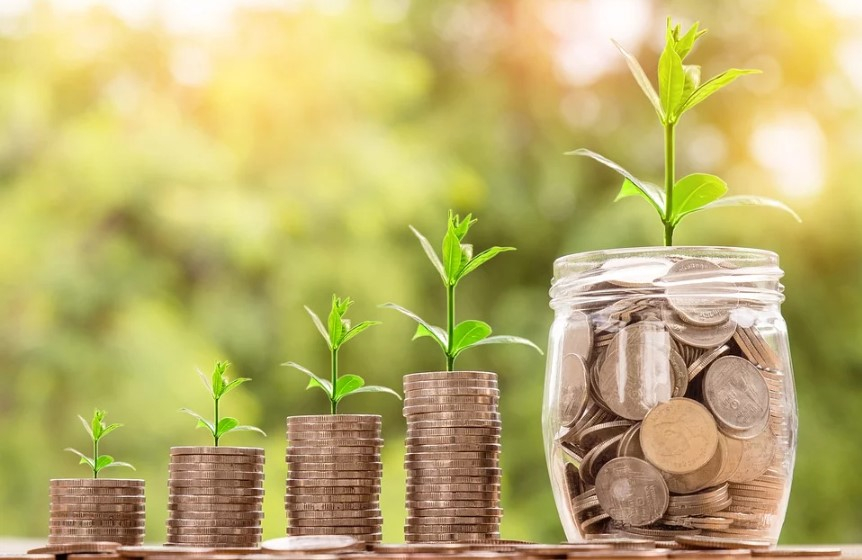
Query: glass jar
point(669, 405)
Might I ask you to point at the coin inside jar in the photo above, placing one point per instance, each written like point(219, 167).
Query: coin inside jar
point(679, 436)
point(737, 395)
point(636, 373)
point(632, 491)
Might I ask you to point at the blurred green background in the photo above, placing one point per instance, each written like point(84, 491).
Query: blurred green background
point(177, 178)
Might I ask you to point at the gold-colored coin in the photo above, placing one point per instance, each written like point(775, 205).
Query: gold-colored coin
point(679, 436)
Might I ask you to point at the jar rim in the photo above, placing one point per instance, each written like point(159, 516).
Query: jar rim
point(764, 256)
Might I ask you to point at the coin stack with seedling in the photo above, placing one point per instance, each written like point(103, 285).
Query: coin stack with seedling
point(333, 484)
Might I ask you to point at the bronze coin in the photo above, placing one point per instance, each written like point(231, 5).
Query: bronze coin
point(756, 456)
point(418, 423)
point(216, 475)
point(345, 482)
point(449, 376)
point(700, 541)
point(96, 483)
point(96, 547)
point(209, 482)
point(632, 491)
point(218, 459)
point(305, 475)
point(435, 392)
point(333, 543)
point(679, 436)
point(246, 451)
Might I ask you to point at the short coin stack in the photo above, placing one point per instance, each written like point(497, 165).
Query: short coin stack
point(89, 509)
point(334, 472)
point(452, 460)
point(216, 496)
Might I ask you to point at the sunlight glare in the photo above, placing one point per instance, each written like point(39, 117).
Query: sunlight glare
point(791, 148)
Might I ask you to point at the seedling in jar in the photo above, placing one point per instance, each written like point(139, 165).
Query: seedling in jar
point(336, 333)
point(680, 90)
point(456, 263)
point(219, 386)
point(97, 430)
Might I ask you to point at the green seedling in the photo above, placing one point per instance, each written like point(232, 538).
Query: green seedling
point(336, 333)
point(97, 429)
point(680, 90)
point(218, 386)
point(458, 261)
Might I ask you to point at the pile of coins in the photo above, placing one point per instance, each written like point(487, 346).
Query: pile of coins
point(674, 411)
point(97, 509)
point(453, 454)
point(215, 496)
point(334, 473)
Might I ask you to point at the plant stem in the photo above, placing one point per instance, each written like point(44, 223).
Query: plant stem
point(215, 434)
point(95, 458)
point(450, 326)
point(669, 179)
point(333, 403)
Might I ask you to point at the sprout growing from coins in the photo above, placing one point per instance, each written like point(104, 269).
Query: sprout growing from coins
point(98, 429)
point(458, 261)
point(680, 90)
point(336, 333)
point(219, 386)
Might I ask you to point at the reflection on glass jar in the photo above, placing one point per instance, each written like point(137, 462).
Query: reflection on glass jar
point(669, 403)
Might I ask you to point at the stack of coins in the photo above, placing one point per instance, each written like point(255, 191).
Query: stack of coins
point(334, 472)
point(453, 453)
point(216, 496)
point(97, 509)
point(674, 404)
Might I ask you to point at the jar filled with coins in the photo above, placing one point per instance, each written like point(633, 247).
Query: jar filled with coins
point(669, 405)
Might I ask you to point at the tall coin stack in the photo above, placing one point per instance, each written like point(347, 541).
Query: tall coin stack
point(334, 472)
point(97, 509)
point(452, 460)
point(216, 496)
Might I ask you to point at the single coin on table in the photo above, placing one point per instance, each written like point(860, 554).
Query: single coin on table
point(332, 543)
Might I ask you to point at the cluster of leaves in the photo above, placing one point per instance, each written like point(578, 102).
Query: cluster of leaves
point(218, 386)
point(457, 262)
point(680, 90)
point(336, 333)
point(98, 429)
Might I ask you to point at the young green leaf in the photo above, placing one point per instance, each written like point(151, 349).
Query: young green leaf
point(468, 333)
point(218, 379)
point(84, 459)
point(348, 384)
point(202, 422)
point(113, 464)
point(225, 425)
point(451, 254)
point(685, 43)
point(319, 324)
point(671, 81)
point(750, 200)
point(436, 333)
point(651, 192)
point(642, 80)
point(692, 79)
point(103, 461)
point(336, 319)
point(429, 251)
point(228, 387)
point(376, 389)
point(248, 429)
point(461, 226)
point(481, 259)
point(96, 424)
point(629, 189)
point(87, 426)
point(356, 329)
point(506, 339)
point(711, 86)
point(315, 381)
point(695, 191)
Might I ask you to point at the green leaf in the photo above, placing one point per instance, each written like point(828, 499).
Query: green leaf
point(119, 464)
point(429, 251)
point(506, 339)
point(630, 189)
point(347, 384)
point(671, 80)
point(451, 254)
point(202, 422)
point(336, 315)
point(86, 426)
point(751, 200)
point(218, 379)
point(356, 329)
point(249, 429)
point(481, 259)
point(314, 381)
point(468, 333)
point(108, 429)
point(461, 226)
point(685, 43)
point(319, 324)
point(234, 384)
point(642, 80)
point(84, 459)
point(225, 425)
point(693, 192)
point(377, 389)
point(206, 382)
point(651, 192)
point(102, 462)
point(692, 79)
point(436, 333)
point(96, 424)
point(711, 86)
